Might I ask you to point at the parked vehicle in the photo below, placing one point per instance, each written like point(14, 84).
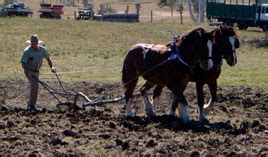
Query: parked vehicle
point(51, 11)
point(16, 9)
point(85, 14)
point(243, 13)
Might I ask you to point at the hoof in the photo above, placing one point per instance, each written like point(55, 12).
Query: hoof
point(172, 113)
point(186, 121)
point(203, 121)
point(150, 114)
point(130, 114)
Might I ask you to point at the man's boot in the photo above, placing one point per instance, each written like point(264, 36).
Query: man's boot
point(31, 107)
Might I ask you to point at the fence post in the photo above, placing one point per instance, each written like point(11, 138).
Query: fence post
point(151, 16)
point(127, 9)
point(92, 14)
point(75, 15)
point(138, 6)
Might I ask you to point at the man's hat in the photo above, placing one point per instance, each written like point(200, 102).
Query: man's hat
point(34, 38)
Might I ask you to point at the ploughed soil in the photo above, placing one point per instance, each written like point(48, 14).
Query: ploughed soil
point(237, 124)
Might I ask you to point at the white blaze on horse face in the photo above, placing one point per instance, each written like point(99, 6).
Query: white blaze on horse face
point(232, 41)
point(210, 61)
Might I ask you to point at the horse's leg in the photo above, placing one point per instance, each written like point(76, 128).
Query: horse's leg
point(174, 106)
point(156, 93)
point(183, 107)
point(213, 92)
point(200, 100)
point(130, 87)
point(148, 104)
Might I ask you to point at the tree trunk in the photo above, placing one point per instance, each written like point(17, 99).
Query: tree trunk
point(193, 18)
point(202, 4)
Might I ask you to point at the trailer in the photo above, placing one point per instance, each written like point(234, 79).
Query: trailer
point(16, 9)
point(120, 17)
point(51, 11)
point(242, 13)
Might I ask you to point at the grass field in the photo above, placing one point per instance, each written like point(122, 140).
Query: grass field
point(94, 51)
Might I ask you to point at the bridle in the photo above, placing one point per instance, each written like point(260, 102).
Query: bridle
point(220, 49)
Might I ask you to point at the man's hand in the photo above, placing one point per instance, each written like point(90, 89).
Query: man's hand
point(53, 69)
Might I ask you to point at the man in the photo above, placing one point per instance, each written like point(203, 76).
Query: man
point(31, 60)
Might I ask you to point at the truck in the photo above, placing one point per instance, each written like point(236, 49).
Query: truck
point(16, 9)
point(50, 11)
point(243, 13)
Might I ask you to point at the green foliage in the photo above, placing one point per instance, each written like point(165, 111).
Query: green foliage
point(166, 2)
point(6, 2)
point(106, 8)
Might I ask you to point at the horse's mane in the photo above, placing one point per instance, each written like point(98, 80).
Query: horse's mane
point(191, 34)
point(224, 29)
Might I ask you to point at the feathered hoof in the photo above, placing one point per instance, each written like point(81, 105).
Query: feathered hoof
point(130, 115)
point(203, 121)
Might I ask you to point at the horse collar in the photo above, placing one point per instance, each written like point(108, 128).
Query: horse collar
point(176, 56)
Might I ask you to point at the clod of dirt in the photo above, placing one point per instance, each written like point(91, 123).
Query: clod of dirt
point(123, 143)
point(11, 138)
point(10, 124)
point(57, 141)
point(231, 154)
point(3, 108)
point(2, 125)
point(242, 129)
point(223, 108)
point(248, 102)
point(195, 154)
point(150, 143)
point(263, 151)
point(71, 133)
point(34, 154)
point(213, 142)
point(105, 135)
point(155, 134)
point(255, 123)
point(112, 125)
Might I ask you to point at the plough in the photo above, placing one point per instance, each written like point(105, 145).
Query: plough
point(74, 102)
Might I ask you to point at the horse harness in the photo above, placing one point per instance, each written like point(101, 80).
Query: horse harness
point(175, 55)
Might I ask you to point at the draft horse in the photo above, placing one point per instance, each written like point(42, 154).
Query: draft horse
point(224, 45)
point(156, 67)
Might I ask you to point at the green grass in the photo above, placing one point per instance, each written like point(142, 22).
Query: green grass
point(97, 49)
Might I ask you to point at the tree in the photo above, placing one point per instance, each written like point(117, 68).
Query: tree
point(6, 2)
point(169, 3)
point(190, 7)
point(196, 9)
point(202, 4)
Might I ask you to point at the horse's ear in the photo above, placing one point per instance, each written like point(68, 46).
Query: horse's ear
point(201, 31)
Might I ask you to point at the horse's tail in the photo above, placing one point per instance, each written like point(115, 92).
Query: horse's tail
point(132, 65)
point(124, 76)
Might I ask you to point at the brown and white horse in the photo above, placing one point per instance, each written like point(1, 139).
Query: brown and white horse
point(156, 67)
point(225, 43)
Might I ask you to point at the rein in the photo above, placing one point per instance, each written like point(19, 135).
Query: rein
point(176, 55)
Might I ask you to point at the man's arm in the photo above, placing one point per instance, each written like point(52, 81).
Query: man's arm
point(26, 67)
point(50, 63)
